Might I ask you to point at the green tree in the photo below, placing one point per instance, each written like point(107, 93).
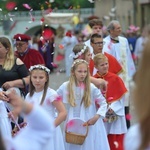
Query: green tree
point(39, 4)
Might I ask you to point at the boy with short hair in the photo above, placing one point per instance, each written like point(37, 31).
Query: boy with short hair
point(115, 117)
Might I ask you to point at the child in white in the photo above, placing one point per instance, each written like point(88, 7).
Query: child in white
point(80, 96)
point(41, 94)
point(39, 130)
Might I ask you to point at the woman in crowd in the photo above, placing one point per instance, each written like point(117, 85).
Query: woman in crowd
point(13, 73)
point(12, 70)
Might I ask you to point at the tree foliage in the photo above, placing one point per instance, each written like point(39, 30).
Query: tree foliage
point(43, 4)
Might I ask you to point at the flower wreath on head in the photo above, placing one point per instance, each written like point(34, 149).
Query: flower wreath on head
point(79, 53)
point(77, 61)
point(39, 67)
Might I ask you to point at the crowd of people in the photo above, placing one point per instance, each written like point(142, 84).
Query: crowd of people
point(95, 99)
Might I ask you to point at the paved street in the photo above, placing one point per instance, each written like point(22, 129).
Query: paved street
point(56, 79)
point(58, 76)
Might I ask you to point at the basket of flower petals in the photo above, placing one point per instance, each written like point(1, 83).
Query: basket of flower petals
point(76, 132)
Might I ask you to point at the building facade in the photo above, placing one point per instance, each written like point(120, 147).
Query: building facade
point(128, 12)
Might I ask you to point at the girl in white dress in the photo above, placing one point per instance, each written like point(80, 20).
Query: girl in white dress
point(81, 51)
point(80, 96)
point(41, 94)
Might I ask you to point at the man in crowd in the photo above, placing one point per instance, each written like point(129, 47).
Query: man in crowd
point(118, 46)
point(97, 45)
point(29, 56)
point(96, 26)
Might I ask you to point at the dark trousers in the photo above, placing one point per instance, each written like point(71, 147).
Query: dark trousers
point(127, 120)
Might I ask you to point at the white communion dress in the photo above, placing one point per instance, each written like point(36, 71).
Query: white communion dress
point(97, 137)
point(56, 143)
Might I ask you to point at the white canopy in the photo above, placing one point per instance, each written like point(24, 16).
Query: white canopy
point(60, 18)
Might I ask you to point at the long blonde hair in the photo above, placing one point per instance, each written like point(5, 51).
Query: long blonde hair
point(142, 96)
point(86, 99)
point(10, 58)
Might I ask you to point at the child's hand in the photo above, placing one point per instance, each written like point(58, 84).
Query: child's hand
point(103, 86)
point(105, 120)
point(85, 124)
point(13, 97)
point(3, 96)
point(93, 120)
point(8, 85)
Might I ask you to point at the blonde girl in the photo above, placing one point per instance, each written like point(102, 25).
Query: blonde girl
point(81, 51)
point(80, 95)
point(41, 94)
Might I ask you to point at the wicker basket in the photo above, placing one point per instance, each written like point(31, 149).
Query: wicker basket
point(74, 138)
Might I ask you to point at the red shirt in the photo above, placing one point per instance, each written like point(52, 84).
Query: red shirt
point(31, 57)
point(114, 65)
point(115, 88)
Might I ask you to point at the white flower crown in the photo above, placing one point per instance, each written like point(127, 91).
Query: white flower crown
point(80, 53)
point(77, 61)
point(39, 67)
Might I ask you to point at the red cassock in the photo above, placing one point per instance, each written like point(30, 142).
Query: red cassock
point(115, 88)
point(114, 65)
point(31, 57)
